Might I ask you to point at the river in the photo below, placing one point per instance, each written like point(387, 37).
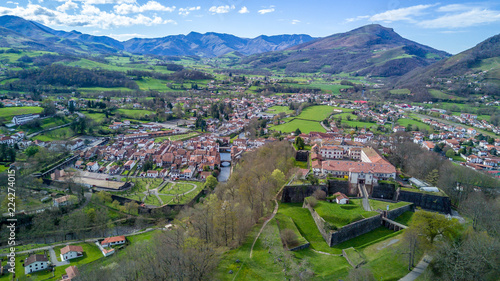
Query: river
point(225, 172)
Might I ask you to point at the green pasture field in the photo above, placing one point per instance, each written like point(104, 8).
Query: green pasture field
point(279, 109)
point(305, 126)
point(420, 125)
point(316, 113)
point(7, 113)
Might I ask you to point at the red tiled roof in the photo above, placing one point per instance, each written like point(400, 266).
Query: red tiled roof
point(71, 248)
point(113, 239)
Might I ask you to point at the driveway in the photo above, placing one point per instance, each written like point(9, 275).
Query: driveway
point(53, 258)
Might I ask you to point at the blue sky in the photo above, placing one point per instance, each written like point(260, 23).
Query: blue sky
point(452, 26)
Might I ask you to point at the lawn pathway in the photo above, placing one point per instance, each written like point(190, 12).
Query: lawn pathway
point(272, 216)
point(264, 225)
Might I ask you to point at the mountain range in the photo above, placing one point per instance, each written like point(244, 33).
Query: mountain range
point(371, 50)
point(18, 32)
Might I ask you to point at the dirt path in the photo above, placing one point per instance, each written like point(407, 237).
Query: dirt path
point(264, 225)
point(272, 215)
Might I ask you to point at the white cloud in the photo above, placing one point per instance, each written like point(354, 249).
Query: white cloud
point(125, 36)
point(187, 10)
point(149, 6)
point(67, 6)
point(357, 18)
point(89, 16)
point(295, 21)
point(472, 17)
point(244, 10)
point(14, 3)
point(406, 14)
point(88, 9)
point(453, 8)
point(221, 9)
point(266, 11)
point(100, 2)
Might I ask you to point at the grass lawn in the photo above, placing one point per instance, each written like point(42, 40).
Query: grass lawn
point(400, 91)
point(286, 222)
point(143, 236)
point(184, 199)
point(178, 188)
point(305, 126)
point(3, 168)
point(354, 256)
point(134, 113)
point(375, 204)
point(279, 109)
point(341, 215)
point(57, 134)
point(420, 125)
point(380, 248)
point(306, 225)
point(97, 117)
point(149, 83)
point(300, 164)
point(316, 113)
point(405, 218)
point(7, 113)
point(458, 158)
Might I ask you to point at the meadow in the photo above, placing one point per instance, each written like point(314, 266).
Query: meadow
point(316, 113)
point(7, 113)
point(305, 126)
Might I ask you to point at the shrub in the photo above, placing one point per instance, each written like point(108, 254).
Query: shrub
point(312, 201)
point(327, 226)
point(289, 238)
point(319, 194)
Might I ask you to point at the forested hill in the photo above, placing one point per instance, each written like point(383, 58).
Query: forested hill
point(480, 63)
point(369, 50)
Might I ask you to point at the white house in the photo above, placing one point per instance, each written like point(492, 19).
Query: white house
point(35, 263)
point(341, 198)
point(152, 174)
point(92, 166)
point(71, 252)
point(116, 240)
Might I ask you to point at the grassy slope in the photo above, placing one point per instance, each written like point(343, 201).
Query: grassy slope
point(340, 215)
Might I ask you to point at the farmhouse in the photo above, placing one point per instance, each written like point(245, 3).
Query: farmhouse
point(62, 201)
point(116, 240)
point(71, 252)
point(35, 263)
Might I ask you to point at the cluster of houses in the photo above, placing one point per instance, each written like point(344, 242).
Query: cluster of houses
point(19, 102)
point(38, 262)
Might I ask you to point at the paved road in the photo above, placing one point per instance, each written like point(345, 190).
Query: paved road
point(419, 269)
point(366, 203)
